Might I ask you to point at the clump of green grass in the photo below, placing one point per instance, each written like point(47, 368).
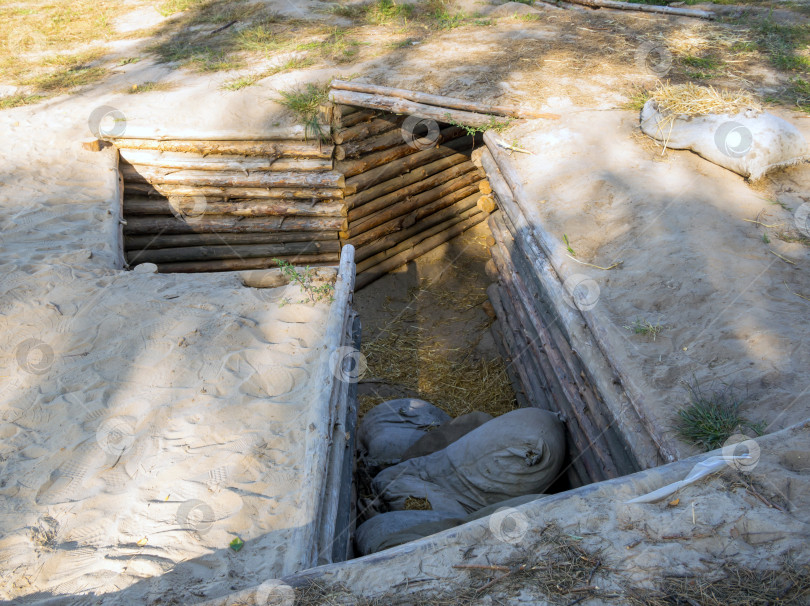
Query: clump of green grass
point(305, 278)
point(305, 103)
point(149, 87)
point(702, 67)
point(19, 99)
point(800, 89)
point(645, 327)
point(492, 124)
point(712, 417)
point(170, 7)
point(383, 12)
point(442, 14)
point(637, 100)
point(65, 80)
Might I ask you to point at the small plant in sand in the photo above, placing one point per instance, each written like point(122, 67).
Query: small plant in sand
point(305, 278)
point(305, 102)
point(493, 124)
point(568, 246)
point(646, 328)
point(712, 417)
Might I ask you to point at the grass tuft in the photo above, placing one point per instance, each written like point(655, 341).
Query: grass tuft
point(712, 417)
point(19, 99)
point(646, 328)
point(305, 103)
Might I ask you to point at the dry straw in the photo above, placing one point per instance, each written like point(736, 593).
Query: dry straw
point(692, 100)
point(677, 100)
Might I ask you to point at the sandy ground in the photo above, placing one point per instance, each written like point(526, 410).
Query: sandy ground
point(76, 517)
point(146, 420)
point(692, 261)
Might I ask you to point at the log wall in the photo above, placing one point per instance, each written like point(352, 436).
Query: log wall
point(210, 203)
point(402, 199)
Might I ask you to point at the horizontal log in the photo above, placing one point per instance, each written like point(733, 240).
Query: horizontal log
point(219, 162)
point(460, 209)
point(363, 130)
point(272, 149)
point(406, 220)
point(354, 149)
point(439, 101)
point(403, 180)
point(231, 193)
point(413, 202)
point(235, 225)
point(350, 168)
point(370, 275)
point(150, 174)
point(228, 251)
point(276, 276)
point(629, 6)
point(195, 206)
point(297, 132)
point(403, 106)
point(397, 242)
point(151, 241)
point(413, 189)
point(244, 264)
point(392, 169)
point(357, 117)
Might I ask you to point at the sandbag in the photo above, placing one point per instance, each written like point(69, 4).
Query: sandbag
point(750, 143)
point(515, 454)
point(394, 527)
point(446, 434)
point(390, 428)
point(399, 527)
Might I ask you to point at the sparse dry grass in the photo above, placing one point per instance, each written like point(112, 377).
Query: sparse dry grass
point(410, 356)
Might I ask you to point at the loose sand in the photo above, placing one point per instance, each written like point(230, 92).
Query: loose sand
point(692, 261)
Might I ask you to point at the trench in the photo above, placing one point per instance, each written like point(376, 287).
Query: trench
point(453, 305)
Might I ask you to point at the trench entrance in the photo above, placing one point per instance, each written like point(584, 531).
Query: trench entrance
point(451, 312)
